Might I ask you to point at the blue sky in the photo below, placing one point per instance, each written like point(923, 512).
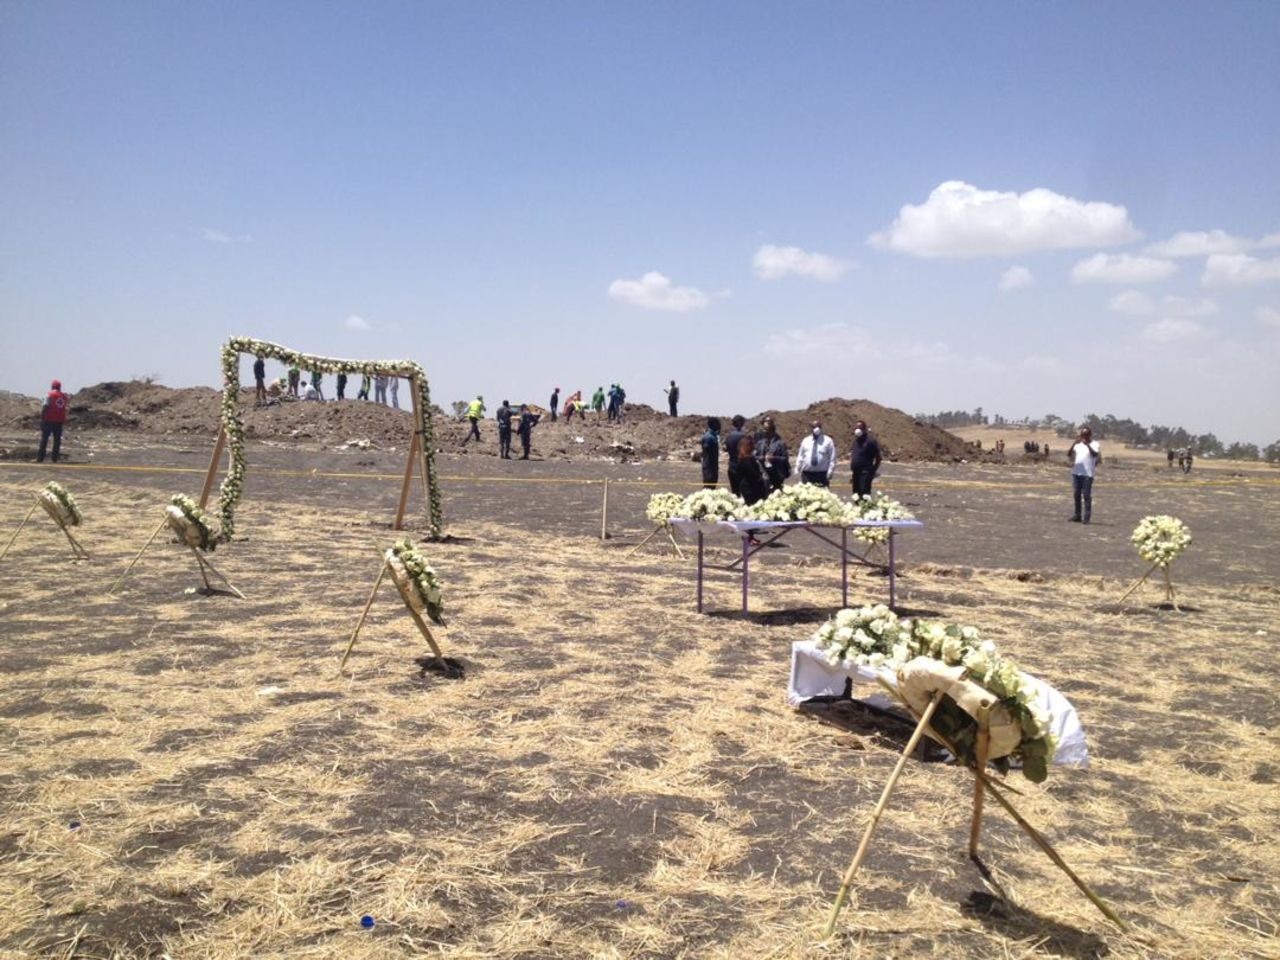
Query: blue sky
point(1030, 208)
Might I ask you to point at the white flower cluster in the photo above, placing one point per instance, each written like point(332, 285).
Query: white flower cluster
point(423, 577)
point(875, 637)
point(714, 504)
point(233, 486)
point(1161, 539)
point(663, 506)
point(876, 506)
point(197, 518)
point(807, 502)
point(71, 512)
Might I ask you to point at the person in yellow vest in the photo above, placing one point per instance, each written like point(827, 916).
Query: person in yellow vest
point(475, 413)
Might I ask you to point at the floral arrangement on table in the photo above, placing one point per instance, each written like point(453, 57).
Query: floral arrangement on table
point(417, 579)
point(1160, 539)
point(191, 523)
point(711, 505)
point(875, 506)
point(233, 425)
point(806, 502)
point(875, 637)
point(663, 506)
point(55, 495)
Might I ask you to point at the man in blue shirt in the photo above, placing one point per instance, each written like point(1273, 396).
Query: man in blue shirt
point(711, 453)
point(732, 440)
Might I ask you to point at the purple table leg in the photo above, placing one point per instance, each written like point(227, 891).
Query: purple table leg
point(844, 567)
point(746, 556)
point(699, 571)
point(893, 571)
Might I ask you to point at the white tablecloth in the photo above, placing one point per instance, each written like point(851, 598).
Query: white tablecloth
point(740, 527)
point(812, 676)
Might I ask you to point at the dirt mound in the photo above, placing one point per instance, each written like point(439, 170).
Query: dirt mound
point(644, 433)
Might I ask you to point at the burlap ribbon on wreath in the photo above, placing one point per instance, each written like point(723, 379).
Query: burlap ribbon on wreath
point(56, 509)
point(404, 581)
point(921, 678)
point(188, 532)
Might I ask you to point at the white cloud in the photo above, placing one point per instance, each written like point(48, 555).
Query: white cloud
point(959, 220)
point(1199, 243)
point(1170, 330)
point(837, 341)
point(773, 263)
point(1238, 270)
point(1268, 317)
point(1015, 278)
point(354, 322)
point(1122, 268)
point(654, 291)
point(1187, 307)
point(1135, 303)
point(221, 236)
point(1270, 240)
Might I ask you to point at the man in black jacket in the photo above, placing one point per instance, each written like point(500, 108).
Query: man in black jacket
point(865, 460)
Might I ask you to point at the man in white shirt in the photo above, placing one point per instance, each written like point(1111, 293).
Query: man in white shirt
point(816, 460)
point(1085, 455)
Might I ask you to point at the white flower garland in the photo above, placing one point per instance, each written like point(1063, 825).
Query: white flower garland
point(875, 637)
point(663, 506)
point(191, 523)
point(65, 503)
point(801, 501)
point(875, 506)
point(1161, 539)
point(233, 486)
point(424, 586)
point(712, 505)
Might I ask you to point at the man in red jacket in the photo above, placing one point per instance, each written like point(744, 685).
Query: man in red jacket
point(52, 417)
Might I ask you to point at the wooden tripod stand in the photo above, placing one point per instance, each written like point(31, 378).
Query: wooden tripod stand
point(78, 551)
point(206, 566)
point(418, 620)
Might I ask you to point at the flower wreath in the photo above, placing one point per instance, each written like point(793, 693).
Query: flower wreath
point(56, 498)
point(416, 579)
point(190, 523)
point(233, 425)
point(1160, 539)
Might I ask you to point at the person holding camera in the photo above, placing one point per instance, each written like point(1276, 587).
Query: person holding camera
point(1085, 455)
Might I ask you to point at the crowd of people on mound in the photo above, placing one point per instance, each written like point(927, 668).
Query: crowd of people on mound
point(759, 462)
point(290, 386)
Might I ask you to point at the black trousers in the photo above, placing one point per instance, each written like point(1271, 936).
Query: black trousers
point(475, 430)
point(733, 480)
point(504, 443)
point(48, 430)
point(817, 477)
point(862, 482)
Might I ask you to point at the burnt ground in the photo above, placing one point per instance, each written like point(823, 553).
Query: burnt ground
point(616, 776)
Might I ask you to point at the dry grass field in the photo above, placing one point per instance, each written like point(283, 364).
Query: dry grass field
point(188, 775)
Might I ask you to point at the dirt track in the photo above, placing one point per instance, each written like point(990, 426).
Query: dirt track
point(617, 776)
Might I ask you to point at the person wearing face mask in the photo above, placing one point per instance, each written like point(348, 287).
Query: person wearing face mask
point(711, 453)
point(816, 460)
point(865, 460)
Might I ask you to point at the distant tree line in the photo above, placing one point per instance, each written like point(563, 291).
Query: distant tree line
point(1111, 427)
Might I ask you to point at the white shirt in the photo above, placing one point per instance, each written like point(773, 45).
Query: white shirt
point(1086, 457)
point(817, 454)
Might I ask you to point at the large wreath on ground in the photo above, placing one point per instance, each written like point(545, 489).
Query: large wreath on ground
point(416, 579)
point(60, 505)
point(1161, 539)
point(233, 486)
point(190, 523)
point(875, 637)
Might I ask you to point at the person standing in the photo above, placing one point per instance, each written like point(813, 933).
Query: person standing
point(816, 460)
point(772, 450)
point(673, 398)
point(503, 416)
point(53, 416)
point(525, 430)
point(732, 441)
point(317, 381)
point(1191, 458)
point(380, 389)
point(365, 383)
point(295, 377)
point(865, 459)
point(260, 379)
point(342, 386)
point(1085, 455)
point(554, 403)
point(613, 402)
point(753, 481)
point(711, 453)
point(475, 411)
point(395, 392)
point(597, 402)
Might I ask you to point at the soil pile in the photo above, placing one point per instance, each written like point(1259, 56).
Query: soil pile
point(644, 433)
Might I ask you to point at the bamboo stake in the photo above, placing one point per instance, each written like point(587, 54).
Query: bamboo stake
point(200, 563)
point(653, 533)
point(604, 512)
point(1168, 589)
point(875, 815)
point(981, 747)
point(404, 485)
point(80, 552)
point(20, 526)
point(382, 572)
point(218, 447)
point(206, 562)
point(138, 557)
point(1139, 582)
point(671, 536)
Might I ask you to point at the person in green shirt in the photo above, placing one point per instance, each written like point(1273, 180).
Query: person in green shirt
point(475, 411)
point(295, 374)
point(597, 401)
